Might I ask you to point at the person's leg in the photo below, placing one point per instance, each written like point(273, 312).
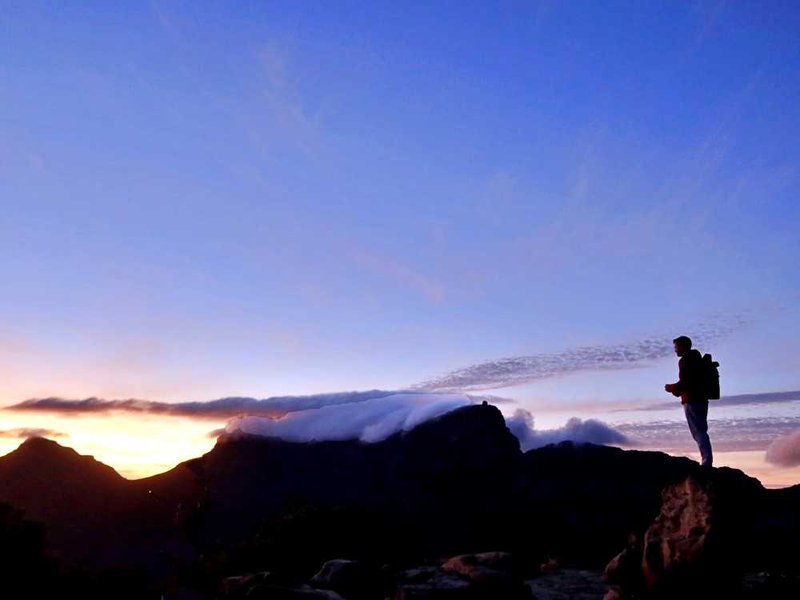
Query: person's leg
point(697, 419)
point(705, 441)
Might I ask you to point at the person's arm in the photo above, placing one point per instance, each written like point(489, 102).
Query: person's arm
point(679, 387)
point(682, 384)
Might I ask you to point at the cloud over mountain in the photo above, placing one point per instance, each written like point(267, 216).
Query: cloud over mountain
point(369, 421)
point(376, 419)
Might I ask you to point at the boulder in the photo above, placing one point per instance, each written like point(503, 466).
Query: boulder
point(482, 567)
point(687, 548)
point(276, 592)
point(437, 585)
point(232, 587)
point(695, 545)
point(625, 569)
point(613, 594)
point(484, 576)
point(350, 578)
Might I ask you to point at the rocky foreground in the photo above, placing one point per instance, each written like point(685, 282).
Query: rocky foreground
point(694, 548)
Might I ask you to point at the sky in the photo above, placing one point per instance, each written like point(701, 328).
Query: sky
point(522, 199)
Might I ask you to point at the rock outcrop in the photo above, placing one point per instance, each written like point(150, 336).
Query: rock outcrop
point(697, 545)
point(482, 576)
point(352, 579)
point(683, 545)
point(269, 587)
point(481, 567)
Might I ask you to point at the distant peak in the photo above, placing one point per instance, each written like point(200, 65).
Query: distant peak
point(37, 443)
point(37, 440)
point(50, 452)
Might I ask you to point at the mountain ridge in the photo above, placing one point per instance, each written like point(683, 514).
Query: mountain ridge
point(457, 482)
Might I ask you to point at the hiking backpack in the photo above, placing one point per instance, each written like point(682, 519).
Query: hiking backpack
point(710, 377)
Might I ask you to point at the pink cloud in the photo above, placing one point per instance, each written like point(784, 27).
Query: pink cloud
point(785, 450)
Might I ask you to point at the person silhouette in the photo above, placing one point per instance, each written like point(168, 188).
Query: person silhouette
point(691, 391)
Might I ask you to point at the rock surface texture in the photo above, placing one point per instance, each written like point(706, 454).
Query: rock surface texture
point(695, 547)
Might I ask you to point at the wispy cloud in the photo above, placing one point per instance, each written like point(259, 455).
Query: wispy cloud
point(283, 98)
point(398, 271)
point(727, 434)
point(737, 400)
point(25, 433)
point(507, 372)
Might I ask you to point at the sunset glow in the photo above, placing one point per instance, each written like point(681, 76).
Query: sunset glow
point(140, 445)
point(135, 446)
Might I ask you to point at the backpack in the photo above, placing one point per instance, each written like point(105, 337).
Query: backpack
point(710, 377)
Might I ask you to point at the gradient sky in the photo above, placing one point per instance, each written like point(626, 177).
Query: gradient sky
point(200, 200)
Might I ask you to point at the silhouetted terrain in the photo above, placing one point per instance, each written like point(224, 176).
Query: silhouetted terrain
point(94, 516)
point(455, 484)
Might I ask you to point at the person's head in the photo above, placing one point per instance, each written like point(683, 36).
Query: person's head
point(682, 345)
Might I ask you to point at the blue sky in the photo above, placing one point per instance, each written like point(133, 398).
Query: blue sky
point(211, 199)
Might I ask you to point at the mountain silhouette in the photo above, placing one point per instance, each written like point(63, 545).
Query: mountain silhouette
point(456, 483)
point(49, 478)
point(463, 461)
point(93, 516)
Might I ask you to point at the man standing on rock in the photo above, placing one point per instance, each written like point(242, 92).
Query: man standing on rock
point(691, 389)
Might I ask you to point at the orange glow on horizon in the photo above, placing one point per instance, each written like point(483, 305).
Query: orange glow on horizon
point(135, 446)
point(141, 445)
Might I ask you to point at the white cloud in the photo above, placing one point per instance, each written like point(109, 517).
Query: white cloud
point(370, 420)
point(591, 431)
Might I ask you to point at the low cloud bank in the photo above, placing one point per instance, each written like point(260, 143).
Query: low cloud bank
point(592, 431)
point(274, 406)
point(225, 408)
point(369, 416)
point(378, 418)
